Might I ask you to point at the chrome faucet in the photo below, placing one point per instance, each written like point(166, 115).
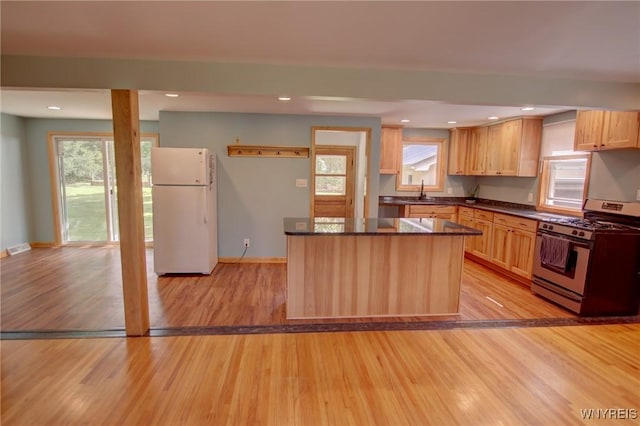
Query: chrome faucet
point(422, 196)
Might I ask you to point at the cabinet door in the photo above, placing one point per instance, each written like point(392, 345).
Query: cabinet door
point(469, 242)
point(482, 246)
point(494, 144)
point(477, 151)
point(522, 248)
point(589, 126)
point(620, 129)
point(500, 246)
point(458, 143)
point(510, 148)
point(391, 138)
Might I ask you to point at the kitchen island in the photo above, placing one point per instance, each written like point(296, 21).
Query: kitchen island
point(339, 267)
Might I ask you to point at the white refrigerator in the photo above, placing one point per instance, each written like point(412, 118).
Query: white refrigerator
point(185, 231)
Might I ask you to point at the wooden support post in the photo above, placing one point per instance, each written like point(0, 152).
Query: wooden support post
point(126, 133)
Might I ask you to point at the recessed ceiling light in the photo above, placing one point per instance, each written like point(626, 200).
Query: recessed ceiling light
point(171, 95)
point(54, 107)
point(284, 98)
point(451, 122)
point(527, 108)
point(493, 118)
point(404, 120)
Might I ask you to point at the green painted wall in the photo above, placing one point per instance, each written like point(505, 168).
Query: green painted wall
point(15, 214)
point(255, 194)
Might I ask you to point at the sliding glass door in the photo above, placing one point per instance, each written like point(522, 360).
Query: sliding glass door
point(87, 188)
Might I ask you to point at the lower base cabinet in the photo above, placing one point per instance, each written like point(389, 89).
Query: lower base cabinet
point(481, 220)
point(518, 244)
point(507, 242)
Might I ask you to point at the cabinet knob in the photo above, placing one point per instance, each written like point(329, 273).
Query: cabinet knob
point(601, 144)
point(595, 146)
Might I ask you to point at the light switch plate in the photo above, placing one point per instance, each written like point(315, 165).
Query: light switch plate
point(301, 183)
point(530, 197)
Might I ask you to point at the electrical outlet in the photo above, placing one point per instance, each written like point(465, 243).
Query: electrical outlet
point(449, 191)
point(247, 242)
point(638, 195)
point(530, 197)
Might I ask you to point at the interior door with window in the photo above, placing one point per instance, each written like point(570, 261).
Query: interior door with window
point(333, 181)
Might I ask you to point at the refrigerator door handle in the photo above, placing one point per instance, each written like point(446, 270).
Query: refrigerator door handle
point(204, 202)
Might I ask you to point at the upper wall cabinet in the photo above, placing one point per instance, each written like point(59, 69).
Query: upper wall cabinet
point(390, 140)
point(600, 130)
point(458, 147)
point(511, 148)
point(477, 151)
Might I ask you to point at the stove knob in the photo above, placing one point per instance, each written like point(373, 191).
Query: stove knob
point(581, 234)
point(550, 227)
point(574, 232)
point(545, 226)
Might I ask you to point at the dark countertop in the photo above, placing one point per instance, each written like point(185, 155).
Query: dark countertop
point(374, 226)
point(520, 210)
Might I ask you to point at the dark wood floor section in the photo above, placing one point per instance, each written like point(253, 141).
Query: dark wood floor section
point(78, 288)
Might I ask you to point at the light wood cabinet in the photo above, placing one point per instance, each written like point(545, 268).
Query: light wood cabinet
point(500, 245)
point(482, 246)
point(477, 151)
point(458, 145)
point(589, 125)
point(601, 130)
point(507, 241)
point(511, 148)
point(468, 221)
point(523, 245)
point(480, 220)
point(431, 211)
point(494, 146)
point(390, 141)
point(620, 129)
point(513, 244)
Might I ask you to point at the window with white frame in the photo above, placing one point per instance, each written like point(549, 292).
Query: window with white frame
point(421, 165)
point(565, 174)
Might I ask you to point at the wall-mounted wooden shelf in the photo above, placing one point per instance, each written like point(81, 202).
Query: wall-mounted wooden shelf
point(267, 151)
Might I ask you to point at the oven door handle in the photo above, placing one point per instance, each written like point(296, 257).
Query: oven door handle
point(574, 241)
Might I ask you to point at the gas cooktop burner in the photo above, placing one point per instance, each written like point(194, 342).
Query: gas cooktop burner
point(590, 224)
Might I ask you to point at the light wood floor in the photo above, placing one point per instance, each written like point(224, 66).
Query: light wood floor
point(74, 288)
point(505, 376)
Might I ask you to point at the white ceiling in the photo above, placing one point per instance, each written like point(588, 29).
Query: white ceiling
point(579, 40)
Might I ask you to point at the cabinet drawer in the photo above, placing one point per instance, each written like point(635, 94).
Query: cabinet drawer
point(516, 222)
point(431, 209)
point(484, 215)
point(465, 211)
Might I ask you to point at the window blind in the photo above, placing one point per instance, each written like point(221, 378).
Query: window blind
point(557, 138)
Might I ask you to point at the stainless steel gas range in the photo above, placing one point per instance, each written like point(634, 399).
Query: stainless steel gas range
point(591, 265)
